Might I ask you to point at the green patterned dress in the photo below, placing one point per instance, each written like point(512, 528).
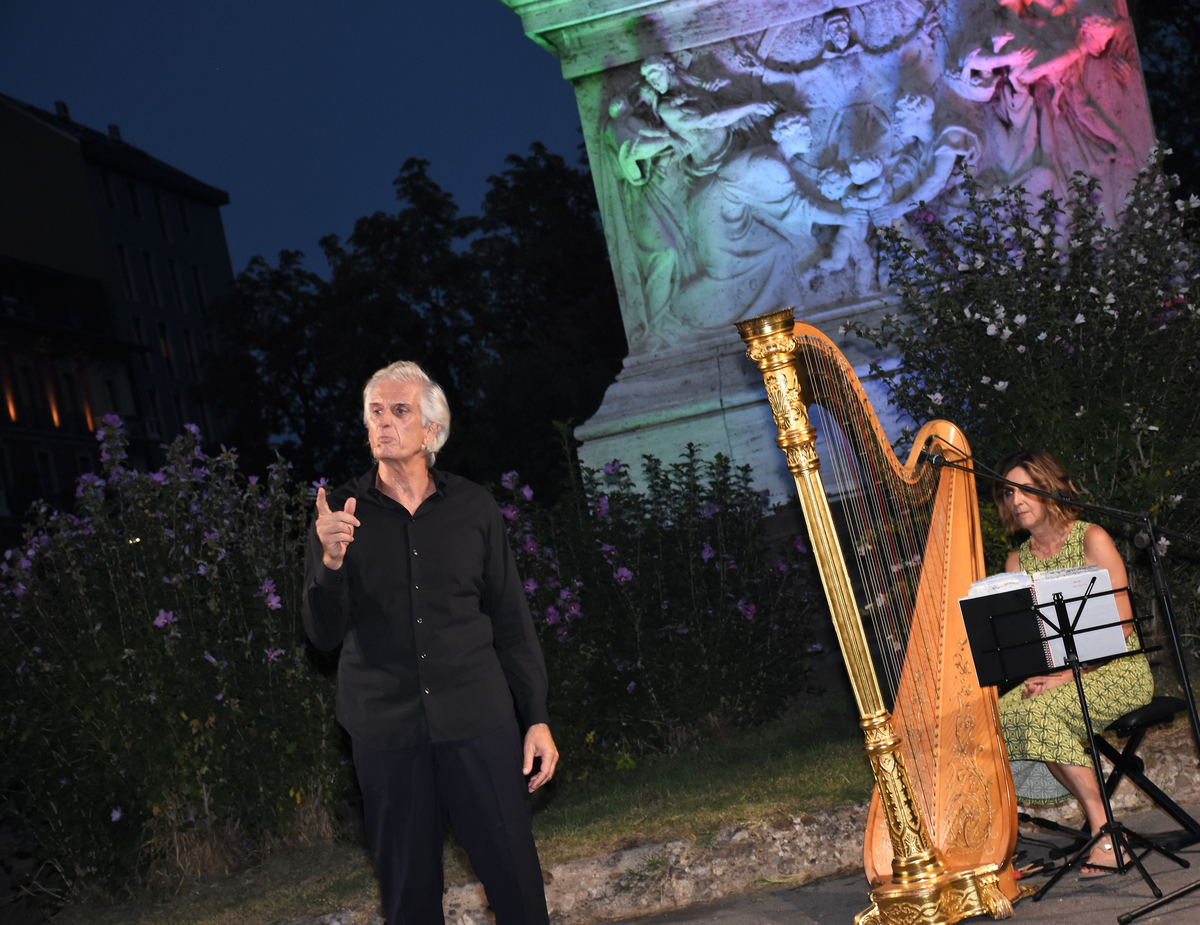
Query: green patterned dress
point(1049, 727)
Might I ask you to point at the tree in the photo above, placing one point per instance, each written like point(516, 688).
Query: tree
point(1040, 326)
point(514, 313)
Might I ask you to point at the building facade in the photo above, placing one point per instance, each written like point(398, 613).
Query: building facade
point(109, 262)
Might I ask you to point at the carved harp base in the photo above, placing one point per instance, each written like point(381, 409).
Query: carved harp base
point(951, 897)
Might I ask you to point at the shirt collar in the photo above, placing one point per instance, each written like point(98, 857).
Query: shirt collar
point(366, 482)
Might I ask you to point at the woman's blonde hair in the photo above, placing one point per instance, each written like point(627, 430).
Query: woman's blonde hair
point(1046, 473)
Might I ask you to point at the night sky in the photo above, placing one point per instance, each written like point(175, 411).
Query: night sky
point(303, 111)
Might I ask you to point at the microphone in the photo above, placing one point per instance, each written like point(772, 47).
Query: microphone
point(1141, 540)
point(934, 459)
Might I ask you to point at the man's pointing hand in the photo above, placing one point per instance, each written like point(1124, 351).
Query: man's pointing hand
point(335, 529)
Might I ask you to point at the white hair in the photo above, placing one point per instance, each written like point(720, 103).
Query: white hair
point(434, 407)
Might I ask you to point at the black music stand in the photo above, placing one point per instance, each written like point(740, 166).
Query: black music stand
point(1003, 643)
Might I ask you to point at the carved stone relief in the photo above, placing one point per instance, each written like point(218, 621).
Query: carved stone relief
point(751, 173)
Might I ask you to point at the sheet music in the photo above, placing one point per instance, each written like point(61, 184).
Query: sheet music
point(1093, 639)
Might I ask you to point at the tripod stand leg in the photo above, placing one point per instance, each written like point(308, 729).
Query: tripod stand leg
point(1127, 917)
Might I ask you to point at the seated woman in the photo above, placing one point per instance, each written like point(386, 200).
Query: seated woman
point(1041, 718)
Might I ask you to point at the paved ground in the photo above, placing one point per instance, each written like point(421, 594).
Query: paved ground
point(836, 902)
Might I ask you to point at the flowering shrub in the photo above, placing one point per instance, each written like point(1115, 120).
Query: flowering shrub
point(1043, 326)
point(661, 610)
point(154, 680)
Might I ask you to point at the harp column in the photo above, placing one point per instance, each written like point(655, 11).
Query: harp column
point(772, 347)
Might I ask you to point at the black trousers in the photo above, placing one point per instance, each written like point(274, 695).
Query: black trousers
point(407, 795)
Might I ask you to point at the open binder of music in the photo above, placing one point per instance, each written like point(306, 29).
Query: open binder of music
point(1013, 628)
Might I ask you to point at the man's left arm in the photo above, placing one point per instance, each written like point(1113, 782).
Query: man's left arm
point(519, 652)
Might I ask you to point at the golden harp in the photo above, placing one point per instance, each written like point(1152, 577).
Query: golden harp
point(943, 820)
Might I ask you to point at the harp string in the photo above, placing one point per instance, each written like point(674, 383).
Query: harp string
point(889, 523)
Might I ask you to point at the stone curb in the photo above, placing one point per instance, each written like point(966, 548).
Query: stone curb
point(661, 877)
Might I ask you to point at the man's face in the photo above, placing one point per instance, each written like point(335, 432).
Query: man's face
point(838, 33)
point(394, 422)
point(656, 75)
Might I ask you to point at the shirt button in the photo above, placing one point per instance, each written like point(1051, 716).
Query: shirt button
point(414, 552)
point(416, 587)
point(422, 655)
point(419, 620)
point(427, 690)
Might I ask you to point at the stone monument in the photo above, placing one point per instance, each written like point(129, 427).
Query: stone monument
point(745, 151)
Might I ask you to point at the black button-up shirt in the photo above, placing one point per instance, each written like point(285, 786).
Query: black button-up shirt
point(437, 640)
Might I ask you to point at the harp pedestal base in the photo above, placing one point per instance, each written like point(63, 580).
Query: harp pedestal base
point(950, 897)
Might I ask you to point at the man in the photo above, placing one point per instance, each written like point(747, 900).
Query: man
point(409, 570)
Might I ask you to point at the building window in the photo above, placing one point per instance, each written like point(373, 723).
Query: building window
point(189, 351)
point(164, 346)
point(110, 392)
point(184, 221)
point(5, 483)
point(153, 415)
point(126, 272)
point(155, 293)
point(106, 184)
point(162, 215)
point(176, 287)
point(29, 393)
point(139, 334)
point(134, 202)
point(201, 295)
point(46, 474)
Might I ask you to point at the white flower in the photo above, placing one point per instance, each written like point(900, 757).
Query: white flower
point(986, 380)
point(1021, 349)
point(978, 262)
point(1042, 336)
point(1141, 259)
point(1194, 201)
point(962, 268)
point(999, 312)
point(1180, 205)
point(936, 398)
point(1020, 320)
point(1093, 290)
point(1079, 413)
point(1152, 427)
point(1003, 271)
point(1045, 229)
point(1110, 299)
point(1001, 386)
point(1162, 545)
point(992, 329)
point(967, 311)
point(1176, 498)
point(1039, 242)
point(1058, 287)
point(1079, 319)
point(1005, 334)
point(841, 329)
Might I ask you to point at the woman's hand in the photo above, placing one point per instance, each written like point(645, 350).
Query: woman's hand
point(1043, 683)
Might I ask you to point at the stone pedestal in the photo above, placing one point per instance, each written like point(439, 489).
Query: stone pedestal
point(744, 152)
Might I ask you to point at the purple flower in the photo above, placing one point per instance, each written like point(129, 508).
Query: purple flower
point(606, 548)
point(192, 429)
point(710, 509)
point(530, 585)
point(221, 696)
point(321, 483)
point(612, 468)
point(573, 609)
point(800, 545)
point(253, 480)
point(815, 647)
point(509, 479)
point(214, 536)
point(780, 566)
point(25, 564)
point(552, 616)
point(116, 814)
point(201, 569)
point(511, 511)
point(210, 658)
point(564, 594)
point(765, 495)
point(632, 685)
point(925, 216)
point(602, 506)
point(21, 667)
point(158, 478)
point(746, 609)
point(530, 545)
point(729, 563)
point(526, 492)
point(164, 617)
point(273, 602)
point(112, 420)
point(563, 634)
point(706, 552)
point(19, 589)
point(267, 587)
point(273, 654)
point(623, 575)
